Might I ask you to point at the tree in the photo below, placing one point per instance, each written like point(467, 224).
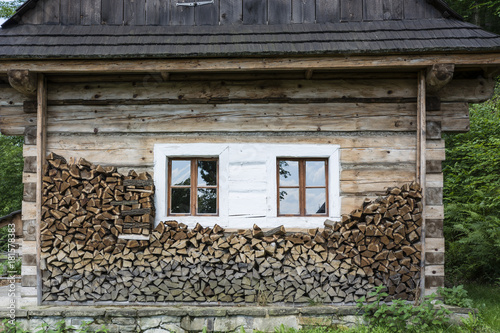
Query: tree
point(11, 173)
point(7, 8)
point(485, 13)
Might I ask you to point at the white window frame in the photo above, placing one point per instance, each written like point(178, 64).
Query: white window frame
point(234, 157)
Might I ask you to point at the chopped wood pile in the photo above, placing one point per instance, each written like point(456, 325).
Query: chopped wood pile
point(85, 261)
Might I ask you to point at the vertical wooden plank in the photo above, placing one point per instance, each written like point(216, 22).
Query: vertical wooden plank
point(41, 135)
point(327, 11)
point(181, 15)
point(112, 12)
point(34, 16)
point(134, 12)
point(279, 11)
point(90, 12)
point(373, 10)
point(157, 12)
point(303, 11)
point(414, 9)
point(254, 12)
point(421, 157)
point(231, 12)
point(351, 10)
point(393, 9)
point(207, 14)
point(51, 11)
point(70, 12)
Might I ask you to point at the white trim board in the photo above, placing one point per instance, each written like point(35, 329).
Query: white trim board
point(247, 182)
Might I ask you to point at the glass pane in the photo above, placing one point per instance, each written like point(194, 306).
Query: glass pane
point(289, 201)
point(315, 173)
point(181, 172)
point(207, 201)
point(207, 173)
point(180, 201)
point(315, 201)
point(289, 173)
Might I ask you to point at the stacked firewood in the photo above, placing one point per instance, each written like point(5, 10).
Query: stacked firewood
point(377, 244)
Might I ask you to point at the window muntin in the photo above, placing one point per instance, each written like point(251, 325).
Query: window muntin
point(193, 186)
point(302, 187)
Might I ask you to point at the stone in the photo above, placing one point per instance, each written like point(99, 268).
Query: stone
point(315, 321)
point(269, 324)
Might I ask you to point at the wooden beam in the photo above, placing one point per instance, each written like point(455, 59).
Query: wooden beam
point(384, 62)
point(439, 75)
point(309, 74)
point(41, 136)
point(23, 81)
point(421, 157)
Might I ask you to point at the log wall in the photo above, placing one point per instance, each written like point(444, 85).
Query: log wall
point(116, 122)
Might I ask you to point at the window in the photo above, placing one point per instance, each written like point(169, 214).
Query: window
point(302, 187)
point(237, 185)
point(193, 186)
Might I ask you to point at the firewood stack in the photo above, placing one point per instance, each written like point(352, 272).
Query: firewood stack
point(85, 261)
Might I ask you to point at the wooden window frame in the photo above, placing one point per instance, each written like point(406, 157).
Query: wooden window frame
point(193, 186)
point(302, 185)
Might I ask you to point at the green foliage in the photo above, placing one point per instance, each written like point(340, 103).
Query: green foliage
point(11, 173)
point(486, 298)
point(472, 196)
point(8, 268)
point(7, 8)
point(60, 327)
point(400, 316)
point(485, 13)
point(455, 296)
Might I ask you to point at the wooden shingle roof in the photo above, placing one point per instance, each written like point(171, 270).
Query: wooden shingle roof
point(50, 29)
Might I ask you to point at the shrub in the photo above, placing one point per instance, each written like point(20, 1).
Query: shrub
point(455, 296)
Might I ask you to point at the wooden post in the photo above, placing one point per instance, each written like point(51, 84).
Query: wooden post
point(421, 162)
point(41, 135)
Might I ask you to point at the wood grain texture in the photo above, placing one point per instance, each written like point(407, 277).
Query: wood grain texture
point(327, 11)
point(434, 228)
point(181, 15)
point(231, 12)
point(34, 16)
point(254, 12)
point(71, 12)
point(134, 12)
point(112, 12)
point(392, 9)
point(157, 12)
point(373, 10)
point(303, 11)
point(352, 10)
point(91, 12)
point(280, 11)
point(414, 9)
point(207, 14)
point(51, 11)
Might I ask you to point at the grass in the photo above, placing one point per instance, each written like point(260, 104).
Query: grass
point(486, 298)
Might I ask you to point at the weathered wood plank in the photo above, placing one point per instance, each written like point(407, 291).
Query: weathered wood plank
point(249, 64)
point(414, 9)
point(233, 90)
point(254, 11)
point(28, 210)
point(51, 11)
point(157, 12)
point(434, 195)
point(280, 11)
point(10, 96)
point(373, 10)
point(71, 12)
point(232, 117)
point(112, 12)
point(134, 12)
point(181, 15)
point(393, 9)
point(434, 245)
point(303, 12)
point(29, 164)
point(351, 10)
point(207, 14)
point(231, 12)
point(91, 12)
point(327, 11)
point(432, 258)
point(34, 16)
point(434, 212)
point(29, 192)
point(434, 228)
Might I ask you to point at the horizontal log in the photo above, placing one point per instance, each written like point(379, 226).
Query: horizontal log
point(434, 245)
point(434, 212)
point(234, 90)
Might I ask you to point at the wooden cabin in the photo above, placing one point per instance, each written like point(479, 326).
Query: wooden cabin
point(283, 151)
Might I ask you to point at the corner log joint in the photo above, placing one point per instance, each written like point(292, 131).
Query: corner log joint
point(438, 75)
point(23, 81)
